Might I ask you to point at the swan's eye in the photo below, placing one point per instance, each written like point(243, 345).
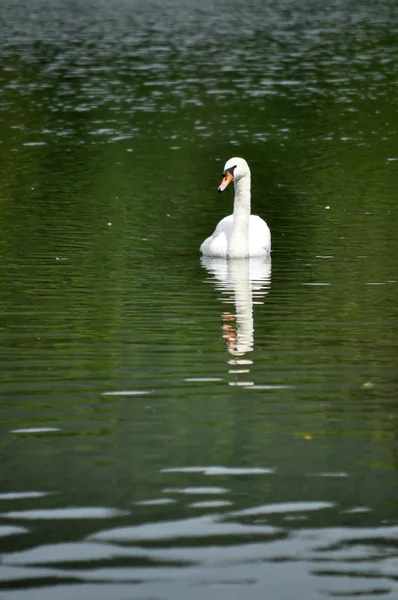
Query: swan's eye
point(230, 171)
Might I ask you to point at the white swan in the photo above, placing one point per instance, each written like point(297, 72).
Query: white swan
point(241, 235)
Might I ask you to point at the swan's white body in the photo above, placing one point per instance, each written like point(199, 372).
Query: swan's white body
point(258, 240)
point(241, 235)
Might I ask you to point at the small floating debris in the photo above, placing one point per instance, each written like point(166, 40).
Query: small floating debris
point(368, 385)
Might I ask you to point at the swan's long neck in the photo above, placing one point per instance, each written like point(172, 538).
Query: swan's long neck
point(239, 243)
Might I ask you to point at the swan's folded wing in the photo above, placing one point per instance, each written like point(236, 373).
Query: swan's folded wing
point(217, 244)
point(259, 236)
point(225, 226)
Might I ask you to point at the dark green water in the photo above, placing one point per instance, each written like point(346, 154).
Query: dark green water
point(173, 428)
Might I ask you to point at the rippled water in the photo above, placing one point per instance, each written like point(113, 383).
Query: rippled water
point(178, 427)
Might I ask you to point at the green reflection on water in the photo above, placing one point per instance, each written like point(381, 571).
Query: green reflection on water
point(102, 288)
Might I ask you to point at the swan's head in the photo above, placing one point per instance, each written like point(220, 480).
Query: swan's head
point(235, 168)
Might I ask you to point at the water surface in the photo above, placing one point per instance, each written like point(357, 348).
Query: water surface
point(175, 427)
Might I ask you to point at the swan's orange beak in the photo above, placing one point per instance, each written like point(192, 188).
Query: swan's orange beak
point(228, 177)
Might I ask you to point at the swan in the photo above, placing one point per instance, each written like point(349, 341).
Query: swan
point(240, 235)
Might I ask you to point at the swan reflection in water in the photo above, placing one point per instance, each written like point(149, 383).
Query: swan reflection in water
point(242, 282)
